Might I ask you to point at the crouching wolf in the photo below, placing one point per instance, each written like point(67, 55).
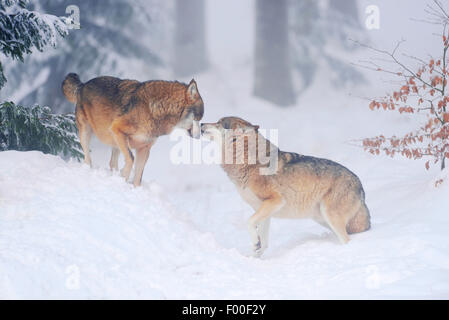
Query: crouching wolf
point(131, 114)
point(301, 187)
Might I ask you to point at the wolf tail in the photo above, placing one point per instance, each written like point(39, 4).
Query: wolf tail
point(71, 86)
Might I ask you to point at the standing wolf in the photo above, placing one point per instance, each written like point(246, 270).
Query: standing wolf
point(131, 114)
point(301, 187)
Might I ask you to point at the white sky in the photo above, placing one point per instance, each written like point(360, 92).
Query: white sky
point(230, 27)
point(396, 23)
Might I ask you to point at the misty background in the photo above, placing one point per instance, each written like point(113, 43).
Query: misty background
point(284, 45)
point(287, 65)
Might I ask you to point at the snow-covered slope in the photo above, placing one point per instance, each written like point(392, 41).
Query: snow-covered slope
point(68, 231)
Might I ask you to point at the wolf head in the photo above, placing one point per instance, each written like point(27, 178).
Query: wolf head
point(193, 111)
point(234, 125)
point(228, 130)
point(236, 138)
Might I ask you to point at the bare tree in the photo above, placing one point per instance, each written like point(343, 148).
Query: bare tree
point(422, 91)
point(190, 38)
point(272, 65)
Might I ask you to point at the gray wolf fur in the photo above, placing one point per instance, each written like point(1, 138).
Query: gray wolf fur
point(302, 187)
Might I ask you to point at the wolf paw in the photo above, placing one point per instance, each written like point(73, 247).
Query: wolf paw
point(258, 249)
point(125, 172)
point(257, 253)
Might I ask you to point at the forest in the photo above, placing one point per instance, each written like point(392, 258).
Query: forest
point(359, 83)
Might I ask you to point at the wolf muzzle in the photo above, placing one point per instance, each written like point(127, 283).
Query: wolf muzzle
point(195, 131)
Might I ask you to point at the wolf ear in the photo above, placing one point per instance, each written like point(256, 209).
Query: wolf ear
point(192, 90)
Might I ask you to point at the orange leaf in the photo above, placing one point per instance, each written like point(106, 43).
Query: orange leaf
point(446, 117)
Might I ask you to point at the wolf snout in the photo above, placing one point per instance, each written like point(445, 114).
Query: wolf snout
point(205, 128)
point(195, 130)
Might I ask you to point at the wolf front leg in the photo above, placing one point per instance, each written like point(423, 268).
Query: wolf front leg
point(257, 224)
point(113, 163)
point(118, 130)
point(142, 155)
point(264, 232)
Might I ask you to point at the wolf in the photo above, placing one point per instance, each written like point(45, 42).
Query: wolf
point(128, 114)
point(301, 187)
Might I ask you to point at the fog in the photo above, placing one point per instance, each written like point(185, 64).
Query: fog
point(145, 47)
point(291, 68)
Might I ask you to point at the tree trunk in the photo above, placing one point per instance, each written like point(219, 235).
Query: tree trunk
point(347, 8)
point(272, 78)
point(443, 163)
point(190, 38)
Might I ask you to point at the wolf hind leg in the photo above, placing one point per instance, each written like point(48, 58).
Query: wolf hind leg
point(142, 155)
point(322, 222)
point(85, 134)
point(264, 233)
point(121, 139)
point(335, 214)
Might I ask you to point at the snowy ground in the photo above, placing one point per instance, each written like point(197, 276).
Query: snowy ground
point(68, 231)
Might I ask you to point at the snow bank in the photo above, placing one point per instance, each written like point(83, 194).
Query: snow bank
point(68, 231)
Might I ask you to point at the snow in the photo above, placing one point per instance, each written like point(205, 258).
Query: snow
point(69, 231)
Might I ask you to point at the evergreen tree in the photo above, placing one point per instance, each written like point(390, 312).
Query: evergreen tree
point(117, 37)
point(36, 128)
point(21, 30)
